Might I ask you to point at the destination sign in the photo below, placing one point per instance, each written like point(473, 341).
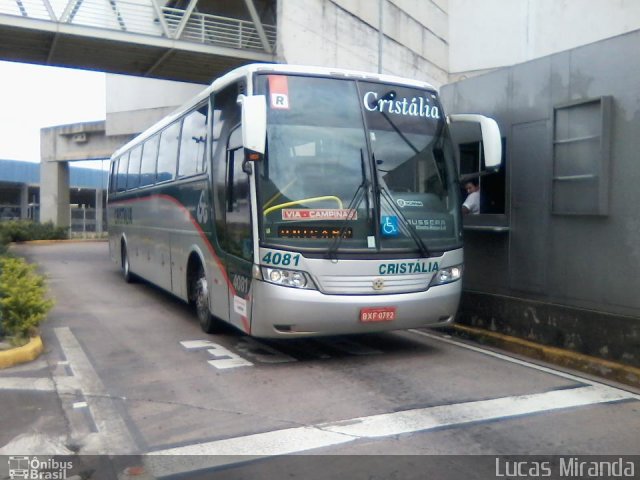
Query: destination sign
point(319, 214)
point(315, 232)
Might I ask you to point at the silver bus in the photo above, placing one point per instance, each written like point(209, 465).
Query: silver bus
point(297, 201)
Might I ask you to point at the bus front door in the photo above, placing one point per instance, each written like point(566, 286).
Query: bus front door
point(239, 240)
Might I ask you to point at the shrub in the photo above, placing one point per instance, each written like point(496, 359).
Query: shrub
point(23, 305)
point(4, 241)
point(25, 230)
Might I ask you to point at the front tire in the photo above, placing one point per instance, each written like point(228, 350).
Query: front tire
point(200, 291)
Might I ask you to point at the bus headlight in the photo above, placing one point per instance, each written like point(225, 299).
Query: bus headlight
point(447, 275)
point(287, 278)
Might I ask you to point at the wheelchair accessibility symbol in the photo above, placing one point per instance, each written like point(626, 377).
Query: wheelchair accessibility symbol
point(389, 227)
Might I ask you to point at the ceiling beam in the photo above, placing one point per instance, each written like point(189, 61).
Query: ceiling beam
point(161, 19)
point(158, 62)
point(185, 18)
point(258, 23)
point(52, 48)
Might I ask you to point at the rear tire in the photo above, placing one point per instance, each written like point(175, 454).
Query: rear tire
point(126, 266)
point(200, 289)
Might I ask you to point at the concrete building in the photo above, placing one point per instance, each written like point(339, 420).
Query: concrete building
point(20, 193)
point(489, 34)
point(61, 145)
point(435, 40)
point(532, 64)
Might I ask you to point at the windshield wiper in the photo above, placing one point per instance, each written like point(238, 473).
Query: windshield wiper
point(424, 251)
point(360, 193)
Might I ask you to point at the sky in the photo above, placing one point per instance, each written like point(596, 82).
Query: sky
point(33, 97)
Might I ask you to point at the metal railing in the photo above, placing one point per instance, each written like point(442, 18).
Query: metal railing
point(212, 29)
point(144, 17)
point(10, 212)
point(85, 220)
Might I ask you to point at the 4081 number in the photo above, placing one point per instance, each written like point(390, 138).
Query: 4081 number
point(277, 258)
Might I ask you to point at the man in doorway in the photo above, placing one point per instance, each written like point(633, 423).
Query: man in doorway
point(472, 203)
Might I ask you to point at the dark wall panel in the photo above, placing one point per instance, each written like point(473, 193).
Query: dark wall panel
point(528, 250)
point(585, 260)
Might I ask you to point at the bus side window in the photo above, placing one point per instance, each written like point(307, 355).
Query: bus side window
point(168, 154)
point(112, 177)
point(123, 165)
point(133, 177)
point(234, 180)
point(192, 142)
point(239, 233)
point(149, 157)
point(225, 115)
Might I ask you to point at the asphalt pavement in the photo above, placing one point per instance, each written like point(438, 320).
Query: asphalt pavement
point(127, 371)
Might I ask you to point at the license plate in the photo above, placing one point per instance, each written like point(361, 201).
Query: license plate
point(377, 314)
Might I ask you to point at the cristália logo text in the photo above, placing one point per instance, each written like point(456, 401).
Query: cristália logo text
point(414, 107)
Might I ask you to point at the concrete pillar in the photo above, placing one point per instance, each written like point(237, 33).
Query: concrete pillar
point(24, 201)
point(99, 210)
point(59, 145)
point(54, 193)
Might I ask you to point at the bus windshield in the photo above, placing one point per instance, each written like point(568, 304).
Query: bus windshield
point(355, 166)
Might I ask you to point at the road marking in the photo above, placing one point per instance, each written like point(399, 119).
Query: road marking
point(234, 450)
point(300, 439)
point(113, 434)
point(409, 421)
point(39, 364)
point(27, 383)
point(196, 344)
point(226, 359)
point(517, 361)
point(263, 353)
point(66, 385)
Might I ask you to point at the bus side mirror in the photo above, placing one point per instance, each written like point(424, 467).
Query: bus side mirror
point(490, 137)
point(254, 125)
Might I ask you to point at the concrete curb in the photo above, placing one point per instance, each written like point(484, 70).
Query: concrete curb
point(600, 367)
point(26, 353)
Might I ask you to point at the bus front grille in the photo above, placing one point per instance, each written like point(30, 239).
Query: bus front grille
point(373, 285)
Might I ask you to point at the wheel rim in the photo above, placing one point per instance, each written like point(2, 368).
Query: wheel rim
point(125, 264)
point(202, 299)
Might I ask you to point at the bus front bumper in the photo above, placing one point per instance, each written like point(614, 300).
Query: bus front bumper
point(289, 312)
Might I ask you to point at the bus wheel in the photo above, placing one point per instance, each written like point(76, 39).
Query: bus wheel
point(126, 266)
point(201, 296)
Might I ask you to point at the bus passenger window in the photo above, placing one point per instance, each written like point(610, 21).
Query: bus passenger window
point(168, 154)
point(112, 177)
point(192, 143)
point(133, 177)
point(149, 157)
point(123, 165)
